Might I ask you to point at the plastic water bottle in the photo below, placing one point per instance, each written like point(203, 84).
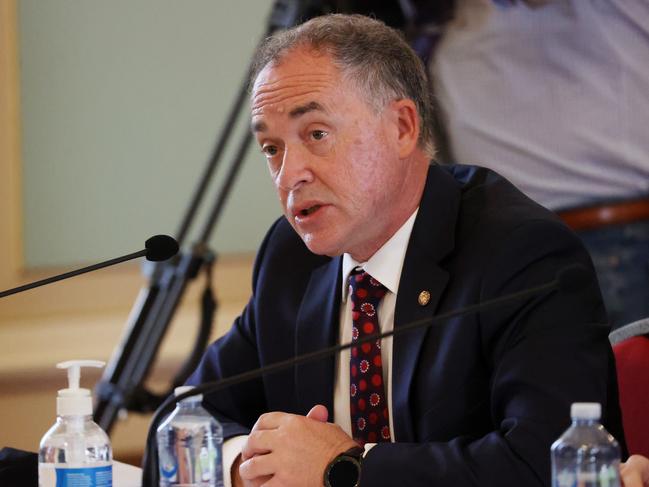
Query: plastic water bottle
point(75, 451)
point(190, 444)
point(586, 455)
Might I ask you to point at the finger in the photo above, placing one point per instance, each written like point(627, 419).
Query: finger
point(259, 442)
point(258, 482)
point(319, 413)
point(268, 421)
point(630, 478)
point(640, 464)
point(257, 466)
point(273, 482)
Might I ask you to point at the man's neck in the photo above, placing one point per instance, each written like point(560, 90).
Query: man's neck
point(386, 263)
point(411, 197)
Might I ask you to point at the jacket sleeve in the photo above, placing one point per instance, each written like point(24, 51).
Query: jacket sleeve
point(236, 352)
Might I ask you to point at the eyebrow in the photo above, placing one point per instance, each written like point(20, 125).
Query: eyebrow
point(259, 127)
point(294, 113)
point(302, 109)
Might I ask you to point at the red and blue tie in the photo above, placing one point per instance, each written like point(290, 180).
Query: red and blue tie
point(368, 404)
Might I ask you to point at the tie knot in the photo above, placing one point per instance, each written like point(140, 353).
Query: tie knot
point(364, 288)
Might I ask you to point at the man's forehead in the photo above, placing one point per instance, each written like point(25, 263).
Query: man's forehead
point(299, 67)
point(293, 90)
point(258, 124)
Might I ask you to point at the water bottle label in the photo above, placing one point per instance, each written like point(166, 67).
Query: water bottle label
point(202, 469)
point(608, 476)
point(565, 479)
point(76, 477)
point(168, 468)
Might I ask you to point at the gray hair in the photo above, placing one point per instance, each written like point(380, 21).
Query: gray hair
point(374, 56)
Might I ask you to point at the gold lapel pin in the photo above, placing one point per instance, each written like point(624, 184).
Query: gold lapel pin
point(424, 298)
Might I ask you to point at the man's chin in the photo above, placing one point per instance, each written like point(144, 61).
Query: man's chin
point(320, 247)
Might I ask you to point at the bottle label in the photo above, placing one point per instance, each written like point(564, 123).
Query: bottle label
point(190, 469)
point(607, 476)
point(61, 476)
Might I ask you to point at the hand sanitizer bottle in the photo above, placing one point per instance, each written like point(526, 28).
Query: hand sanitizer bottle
point(75, 451)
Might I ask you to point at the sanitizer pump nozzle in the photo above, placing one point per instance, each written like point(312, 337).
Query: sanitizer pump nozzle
point(75, 400)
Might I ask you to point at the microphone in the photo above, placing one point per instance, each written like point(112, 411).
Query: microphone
point(568, 279)
point(157, 248)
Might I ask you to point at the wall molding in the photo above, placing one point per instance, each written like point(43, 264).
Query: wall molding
point(11, 256)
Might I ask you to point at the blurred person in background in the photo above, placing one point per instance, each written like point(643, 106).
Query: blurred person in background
point(554, 95)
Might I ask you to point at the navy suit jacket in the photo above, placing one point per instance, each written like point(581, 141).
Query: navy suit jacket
point(477, 400)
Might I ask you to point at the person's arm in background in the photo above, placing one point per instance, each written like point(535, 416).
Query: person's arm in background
point(635, 471)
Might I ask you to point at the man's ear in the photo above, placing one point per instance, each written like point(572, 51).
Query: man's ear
point(407, 120)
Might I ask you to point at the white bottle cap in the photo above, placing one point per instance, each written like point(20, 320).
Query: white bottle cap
point(182, 389)
point(75, 401)
point(585, 410)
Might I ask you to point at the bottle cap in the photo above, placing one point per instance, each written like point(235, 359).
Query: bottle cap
point(182, 389)
point(585, 410)
point(75, 400)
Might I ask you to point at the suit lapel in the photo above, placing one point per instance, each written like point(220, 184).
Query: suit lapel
point(431, 240)
point(317, 328)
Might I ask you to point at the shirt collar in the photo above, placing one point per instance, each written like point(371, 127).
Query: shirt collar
point(386, 263)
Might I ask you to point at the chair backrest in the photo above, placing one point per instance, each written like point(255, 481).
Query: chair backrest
point(631, 348)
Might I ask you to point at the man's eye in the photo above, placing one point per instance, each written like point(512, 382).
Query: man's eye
point(318, 134)
point(269, 150)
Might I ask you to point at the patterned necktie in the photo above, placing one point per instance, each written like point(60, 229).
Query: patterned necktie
point(368, 405)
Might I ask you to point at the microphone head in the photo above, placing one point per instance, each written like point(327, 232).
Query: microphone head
point(573, 278)
point(160, 247)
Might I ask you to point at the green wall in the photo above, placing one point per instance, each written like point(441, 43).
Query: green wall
point(121, 104)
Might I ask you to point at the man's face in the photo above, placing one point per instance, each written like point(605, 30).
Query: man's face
point(333, 158)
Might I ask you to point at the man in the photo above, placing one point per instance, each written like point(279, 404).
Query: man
point(374, 236)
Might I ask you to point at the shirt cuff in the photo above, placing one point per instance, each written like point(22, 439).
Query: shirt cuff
point(231, 450)
point(368, 447)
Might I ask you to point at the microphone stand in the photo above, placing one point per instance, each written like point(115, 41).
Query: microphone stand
point(122, 383)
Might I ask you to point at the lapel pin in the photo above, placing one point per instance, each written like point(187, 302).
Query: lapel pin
point(424, 298)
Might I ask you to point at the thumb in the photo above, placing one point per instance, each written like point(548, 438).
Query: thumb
point(319, 413)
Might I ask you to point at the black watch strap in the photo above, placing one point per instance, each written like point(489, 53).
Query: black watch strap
point(345, 469)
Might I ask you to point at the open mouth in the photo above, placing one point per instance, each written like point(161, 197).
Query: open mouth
point(310, 210)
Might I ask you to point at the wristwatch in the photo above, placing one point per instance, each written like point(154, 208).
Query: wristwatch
point(345, 469)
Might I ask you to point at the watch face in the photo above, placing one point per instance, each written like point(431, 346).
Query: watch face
point(344, 472)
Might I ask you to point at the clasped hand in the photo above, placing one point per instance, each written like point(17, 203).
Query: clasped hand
point(290, 450)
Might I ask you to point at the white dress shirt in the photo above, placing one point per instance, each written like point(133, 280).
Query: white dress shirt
point(384, 266)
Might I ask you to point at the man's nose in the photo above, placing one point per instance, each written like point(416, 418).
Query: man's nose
point(295, 170)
